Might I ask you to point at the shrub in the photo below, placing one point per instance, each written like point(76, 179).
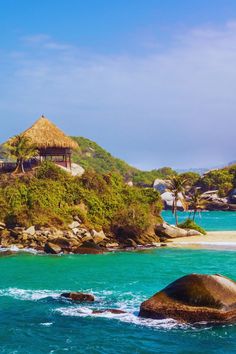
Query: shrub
point(190, 224)
point(51, 197)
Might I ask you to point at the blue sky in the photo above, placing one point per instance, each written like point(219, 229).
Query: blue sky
point(152, 81)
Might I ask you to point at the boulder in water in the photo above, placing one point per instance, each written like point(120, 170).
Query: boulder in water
point(114, 311)
point(78, 296)
point(194, 298)
point(52, 248)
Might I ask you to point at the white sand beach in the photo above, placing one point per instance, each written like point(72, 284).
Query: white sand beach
point(213, 239)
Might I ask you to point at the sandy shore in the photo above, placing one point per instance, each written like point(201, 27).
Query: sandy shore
point(213, 239)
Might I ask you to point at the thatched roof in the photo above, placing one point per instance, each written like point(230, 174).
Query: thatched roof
point(44, 134)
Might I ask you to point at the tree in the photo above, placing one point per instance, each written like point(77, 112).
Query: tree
point(21, 148)
point(177, 187)
point(192, 177)
point(196, 201)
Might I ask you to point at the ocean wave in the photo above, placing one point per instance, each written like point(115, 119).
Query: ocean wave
point(17, 250)
point(30, 295)
point(128, 317)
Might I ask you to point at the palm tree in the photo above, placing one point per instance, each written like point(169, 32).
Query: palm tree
point(21, 148)
point(196, 202)
point(177, 187)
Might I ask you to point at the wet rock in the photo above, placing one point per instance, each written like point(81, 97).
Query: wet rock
point(232, 207)
point(78, 296)
point(194, 298)
point(6, 253)
point(87, 250)
point(130, 243)
point(114, 311)
point(62, 242)
point(52, 248)
point(112, 245)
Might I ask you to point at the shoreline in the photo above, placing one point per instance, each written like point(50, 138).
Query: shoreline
point(213, 239)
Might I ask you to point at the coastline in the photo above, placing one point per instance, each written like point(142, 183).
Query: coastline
point(225, 240)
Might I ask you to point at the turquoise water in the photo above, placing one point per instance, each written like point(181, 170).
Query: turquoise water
point(35, 320)
point(209, 220)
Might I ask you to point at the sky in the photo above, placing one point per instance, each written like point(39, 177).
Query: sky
point(152, 81)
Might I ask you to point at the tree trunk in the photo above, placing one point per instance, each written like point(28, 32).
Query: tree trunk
point(194, 214)
point(174, 211)
point(19, 167)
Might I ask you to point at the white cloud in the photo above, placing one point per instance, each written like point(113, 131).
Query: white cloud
point(174, 107)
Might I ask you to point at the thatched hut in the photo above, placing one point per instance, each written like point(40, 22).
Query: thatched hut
point(51, 143)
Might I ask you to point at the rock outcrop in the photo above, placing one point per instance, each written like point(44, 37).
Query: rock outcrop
point(165, 231)
point(78, 296)
point(113, 311)
point(194, 298)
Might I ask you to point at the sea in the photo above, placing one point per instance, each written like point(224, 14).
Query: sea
point(35, 319)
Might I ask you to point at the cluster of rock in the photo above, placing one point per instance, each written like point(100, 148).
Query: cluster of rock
point(76, 239)
point(166, 231)
point(213, 202)
point(211, 198)
point(193, 298)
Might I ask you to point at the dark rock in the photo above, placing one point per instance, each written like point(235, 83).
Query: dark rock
point(114, 311)
point(62, 242)
point(77, 296)
point(217, 205)
point(232, 196)
point(87, 250)
point(52, 248)
point(130, 243)
point(7, 253)
point(194, 298)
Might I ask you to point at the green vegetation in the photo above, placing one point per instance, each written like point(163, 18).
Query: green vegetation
point(196, 202)
point(191, 177)
point(92, 156)
point(21, 149)
point(190, 224)
point(50, 197)
point(223, 180)
point(177, 187)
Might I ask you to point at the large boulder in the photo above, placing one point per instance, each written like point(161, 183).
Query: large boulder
point(78, 296)
point(52, 248)
point(168, 199)
point(30, 231)
point(88, 248)
point(113, 311)
point(166, 231)
point(98, 237)
point(194, 298)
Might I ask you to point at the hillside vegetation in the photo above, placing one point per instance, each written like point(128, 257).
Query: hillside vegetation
point(49, 196)
point(92, 156)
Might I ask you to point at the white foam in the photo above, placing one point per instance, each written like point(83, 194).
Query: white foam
point(30, 295)
point(123, 317)
point(46, 324)
point(17, 249)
